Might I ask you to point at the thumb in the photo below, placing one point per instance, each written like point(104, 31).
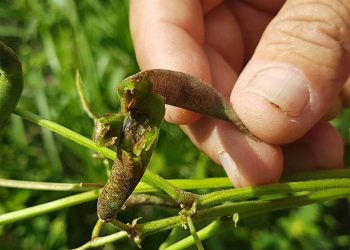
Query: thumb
point(297, 70)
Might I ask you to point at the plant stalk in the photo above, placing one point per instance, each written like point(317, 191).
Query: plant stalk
point(48, 207)
point(245, 209)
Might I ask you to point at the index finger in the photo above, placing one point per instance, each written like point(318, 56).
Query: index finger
point(170, 35)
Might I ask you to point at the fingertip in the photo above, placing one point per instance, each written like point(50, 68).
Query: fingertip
point(248, 162)
point(255, 171)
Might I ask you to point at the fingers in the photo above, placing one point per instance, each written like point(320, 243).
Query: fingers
point(246, 162)
point(222, 33)
point(208, 5)
point(271, 6)
point(321, 148)
point(170, 35)
point(252, 22)
point(345, 94)
point(297, 70)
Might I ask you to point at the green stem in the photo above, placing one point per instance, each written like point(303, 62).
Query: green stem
point(156, 226)
point(101, 241)
point(142, 187)
point(245, 209)
point(48, 207)
point(238, 194)
point(194, 233)
point(208, 231)
point(250, 208)
point(97, 228)
point(120, 225)
point(205, 200)
point(150, 199)
point(156, 180)
point(185, 184)
point(65, 132)
point(49, 186)
point(84, 102)
point(179, 195)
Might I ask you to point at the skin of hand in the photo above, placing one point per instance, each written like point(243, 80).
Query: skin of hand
point(282, 64)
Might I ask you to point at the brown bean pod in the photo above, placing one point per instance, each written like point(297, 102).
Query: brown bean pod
point(188, 92)
point(135, 144)
point(125, 175)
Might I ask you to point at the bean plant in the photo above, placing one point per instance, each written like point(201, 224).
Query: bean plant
point(69, 58)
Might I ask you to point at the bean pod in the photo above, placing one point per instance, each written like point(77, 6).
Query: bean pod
point(11, 82)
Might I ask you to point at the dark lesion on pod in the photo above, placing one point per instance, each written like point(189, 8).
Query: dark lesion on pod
point(128, 167)
point(135, 132)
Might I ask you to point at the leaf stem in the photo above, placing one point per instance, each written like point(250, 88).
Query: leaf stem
point(101, 241)
point(185, 184)
point(65, 132)
point(203, 234)
point(49, 186)
point(97, 228)
point(48, 207)
point(249, 208)
point(194, 233)
point(120, 225)
point(179, 195)
point(84, 102)
point(238, 194)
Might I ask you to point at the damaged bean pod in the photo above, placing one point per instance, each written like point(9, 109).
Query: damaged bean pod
point(134, 130)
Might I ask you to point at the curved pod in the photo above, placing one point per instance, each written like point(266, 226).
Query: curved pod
point(11, 82)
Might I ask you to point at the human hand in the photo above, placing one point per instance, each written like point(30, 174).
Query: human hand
point(281, 83)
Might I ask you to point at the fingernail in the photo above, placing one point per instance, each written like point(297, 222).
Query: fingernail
point(230, 167)
point(284, 87)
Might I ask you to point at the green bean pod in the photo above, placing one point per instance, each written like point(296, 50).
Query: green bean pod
point(11, 82)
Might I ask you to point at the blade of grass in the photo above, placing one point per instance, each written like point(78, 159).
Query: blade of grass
point(48, 138)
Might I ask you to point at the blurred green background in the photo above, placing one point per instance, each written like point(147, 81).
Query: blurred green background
point(55, 38)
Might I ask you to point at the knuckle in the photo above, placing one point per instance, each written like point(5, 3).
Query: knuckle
point(316, 31)
point(322, 22)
